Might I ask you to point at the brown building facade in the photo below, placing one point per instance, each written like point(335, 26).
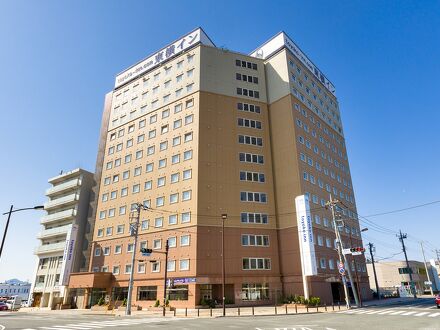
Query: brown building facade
point(194, 132)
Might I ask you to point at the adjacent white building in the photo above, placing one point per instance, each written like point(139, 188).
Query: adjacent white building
point(63, 248)
point(15, 288)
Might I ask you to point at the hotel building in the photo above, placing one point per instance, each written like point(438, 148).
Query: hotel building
point(195, 131)
point(63, 248)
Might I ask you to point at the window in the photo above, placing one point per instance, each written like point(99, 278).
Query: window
point(252, 176)
point(160, 201)
point(145, 224)
point(127, 159)
point(189, 119)
point(104, 197)
point(115, 178)
point(256, 264)
point(118, 249)
point(150, 150)
point(125, 175)
point(323, 263)
point(97, 252)
point(106, 181)
point(141, 138)
point(165, 113)
point(188, 137)
point(164, 129)
point(148, 185)
point(172, 219)
point(175, 159)
point(176, 141)
point(186, 195)
point(116, 270)
point(127, 269)
point(106, 251)
point(172, 242)
point(243, 122)
point(141, 268)
point(137, 171)
point(149, 167)
point(153, 119)
point(186, 217)
point(152, 134)
point(122, 210)
point(157, 244)
point(162, 163)
point(187, 155)
point(124, 192)
point(251, 158)
point(100, 232)
point(174, 177)
point(136, 188)
point(163, 145)
point(187, 174)
point(184, 264)
point(158, 222)
point(161, 181)
point(178, 108)
point(254, 291)
point(171, 266)
point(147, 292)
point(248, 107)
point(102, 214)
point(129, 143)
point(174, 198)
point(155, 267)
point(254, 240)
point(177, 124)
point(184, 240)
point(120, 228)
point(109, 231)
point(189, 103)
point(142, 123)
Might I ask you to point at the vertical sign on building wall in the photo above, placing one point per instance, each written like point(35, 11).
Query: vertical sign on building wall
point(305, 234)
point(69, 250)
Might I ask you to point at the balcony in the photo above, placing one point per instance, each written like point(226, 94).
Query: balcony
point(62, 201)
point(63, 187)
point(53, 232)
point(49, 248)
point(63, 215)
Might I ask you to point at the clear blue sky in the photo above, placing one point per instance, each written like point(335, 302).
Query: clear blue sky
point(59, 58)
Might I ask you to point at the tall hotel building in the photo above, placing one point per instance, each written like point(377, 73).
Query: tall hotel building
point(195, 131)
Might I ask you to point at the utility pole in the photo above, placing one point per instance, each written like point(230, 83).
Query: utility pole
point(134, 226)
point(332, 203)
point(370, 247)
point(401, 238)
point(167, 247)
point(426, 268)
point(358, 288)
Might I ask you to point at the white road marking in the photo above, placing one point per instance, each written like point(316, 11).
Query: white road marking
point(434, 315)
point(421, 314)
point(397, 313)
point(385, 312)
point(373, 312)
point(409, 313)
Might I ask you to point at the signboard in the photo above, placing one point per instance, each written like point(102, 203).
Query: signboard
point(187, 41)
point(346, 251)
point(185, 280)
point(282, 40)
point(305, 235)
point(69, 250)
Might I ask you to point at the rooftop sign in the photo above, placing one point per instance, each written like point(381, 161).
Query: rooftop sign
point(187, 41)
point(282, 40)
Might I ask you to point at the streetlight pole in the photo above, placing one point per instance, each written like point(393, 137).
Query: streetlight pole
point(224, 217)
point(11, 210)
point(426, 268)
point(134, 228)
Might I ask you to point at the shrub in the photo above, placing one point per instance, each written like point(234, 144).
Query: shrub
point(101, 301)
point(314, 301)
point(203, 302)
point(157, 303)
point(124, 302)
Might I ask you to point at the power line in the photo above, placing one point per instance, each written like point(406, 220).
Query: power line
point(404, 209)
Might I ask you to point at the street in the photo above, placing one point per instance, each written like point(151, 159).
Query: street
point(417, 314)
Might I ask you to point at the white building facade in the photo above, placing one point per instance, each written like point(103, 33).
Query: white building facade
point(15, 288)
point(63, 248)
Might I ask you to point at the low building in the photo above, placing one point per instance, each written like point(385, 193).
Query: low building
point(392, 275)
point(63, 249)
point(15, 288)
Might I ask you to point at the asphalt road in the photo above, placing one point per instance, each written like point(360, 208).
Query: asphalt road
point(418, 314)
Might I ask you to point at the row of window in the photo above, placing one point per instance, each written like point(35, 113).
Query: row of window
point(247, 78)
point(251, 140)
point(243, 122)
point(331, 264)
point(252, 176)
point(251, 158)
point(247, 217)
point(254, 240)
point(256, 264)
point(173, 219)
point(248, 107)
point(245, 64)
point(258, 197)
point(184, 265)
point(248, 92)
point(160, 201)
point(175, 159)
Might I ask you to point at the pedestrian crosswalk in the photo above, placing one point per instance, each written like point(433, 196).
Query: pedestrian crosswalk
point(393, 312)
point(104, 324)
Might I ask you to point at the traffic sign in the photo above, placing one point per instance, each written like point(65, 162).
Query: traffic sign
point(340, 265)
point(341, 271)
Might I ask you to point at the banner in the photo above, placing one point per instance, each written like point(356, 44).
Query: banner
point(69, 252)
point(305, 235)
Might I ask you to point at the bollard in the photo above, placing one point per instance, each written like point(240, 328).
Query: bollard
point(317, 308)
point(307, 308)
point(252, 310)
point(175, 311)
point(276, 310)
point(333, 305)
point(339, 305)
point(210, 311)
point(186, 311)
point(325, 307)
point(238, 311)
point(296, 309)
point(286, 309)
point(198, 312)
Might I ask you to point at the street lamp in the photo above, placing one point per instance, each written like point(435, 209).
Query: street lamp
point(11, 210)
point(224, 217)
